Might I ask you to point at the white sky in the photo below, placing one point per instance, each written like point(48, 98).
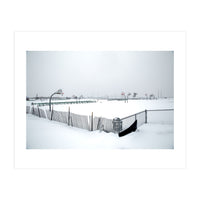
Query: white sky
point(100, 73)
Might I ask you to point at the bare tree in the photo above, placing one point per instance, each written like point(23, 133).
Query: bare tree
point(36, 97)
point(152, 96)
point(74, 97)
point(135, 94)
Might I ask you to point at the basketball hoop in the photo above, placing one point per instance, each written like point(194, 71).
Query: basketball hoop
point(57, 92)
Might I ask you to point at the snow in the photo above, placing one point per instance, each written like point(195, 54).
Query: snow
point(112, 109)
point(45, 134)
point(158, 133)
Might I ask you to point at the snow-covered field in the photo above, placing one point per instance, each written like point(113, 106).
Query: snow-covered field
point(45, 134)
point(112, 109)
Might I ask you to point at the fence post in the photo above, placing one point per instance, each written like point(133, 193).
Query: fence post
point(69, 116)
point(33, 110)
point(145, 116)
point(52, 113)
point(71, 121)
point(92, 122)
point(38, 112)
point(45, 113)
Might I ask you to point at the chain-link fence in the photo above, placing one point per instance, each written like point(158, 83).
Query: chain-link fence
point(161, 116)
point(79, 121)
point(28, 109)
point(35, 111)
point(71, 119)
point(129, 120)
point(57, 116)
point(101, 123)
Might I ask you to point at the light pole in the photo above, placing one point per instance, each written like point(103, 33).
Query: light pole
point(128, 96)
point(57, 92)
point(123, 94)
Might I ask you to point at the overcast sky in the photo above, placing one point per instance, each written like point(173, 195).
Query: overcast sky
point(103, 73)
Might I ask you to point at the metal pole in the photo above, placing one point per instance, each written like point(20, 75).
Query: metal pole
point(33, 110)
point(69, 116)
point(38, 111)
point(51, 98)
point(50, 101)
point(145, 116)
point(52, 114)
point(92, 122)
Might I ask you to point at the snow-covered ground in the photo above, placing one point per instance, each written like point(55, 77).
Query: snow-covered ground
point(112, 109)
point(45, 134)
